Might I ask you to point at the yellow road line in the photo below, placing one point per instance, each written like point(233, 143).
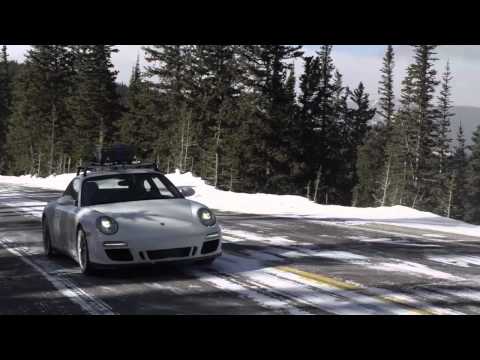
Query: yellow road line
point(347, 286)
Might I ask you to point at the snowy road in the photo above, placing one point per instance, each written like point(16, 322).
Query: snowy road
point(270, 265)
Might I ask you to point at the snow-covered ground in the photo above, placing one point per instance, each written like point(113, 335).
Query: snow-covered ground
point(283, 205)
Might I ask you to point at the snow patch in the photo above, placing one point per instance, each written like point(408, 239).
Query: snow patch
point(414, 269)
point(456, 260)
point(283, 205)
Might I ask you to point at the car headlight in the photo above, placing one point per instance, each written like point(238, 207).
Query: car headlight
point(206, 217)
point(107, 225)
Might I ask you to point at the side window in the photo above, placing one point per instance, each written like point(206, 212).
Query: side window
point(72, 189)
point(161, 187)
point(147, 186)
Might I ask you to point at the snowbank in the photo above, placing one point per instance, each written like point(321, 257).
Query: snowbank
point(52, 182)
point(283, 205)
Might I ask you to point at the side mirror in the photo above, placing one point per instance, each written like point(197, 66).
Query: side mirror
point(187, 191)
point(66, 201)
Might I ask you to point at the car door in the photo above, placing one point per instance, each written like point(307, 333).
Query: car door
point(64, 219)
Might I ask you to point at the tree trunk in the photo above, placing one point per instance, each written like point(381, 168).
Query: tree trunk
point(101, 135)
point(32, 161)
point(317, 183)
point(450, 197)
point(215, 181)
point(52, 139)
point(187, 141)
point(386, 183)
point(182, 141)
point(39, 163)
point(60, 165)
point(217, 145)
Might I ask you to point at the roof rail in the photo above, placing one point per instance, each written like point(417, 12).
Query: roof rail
point(99, 167)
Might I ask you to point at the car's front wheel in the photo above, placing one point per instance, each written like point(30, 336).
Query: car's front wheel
point(47, 240)
point(83, 256)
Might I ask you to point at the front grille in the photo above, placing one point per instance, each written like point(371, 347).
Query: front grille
point(168, 253)
point(119, 254)
point(210, 246)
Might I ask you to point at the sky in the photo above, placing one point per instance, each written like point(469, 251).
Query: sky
point(356, 63)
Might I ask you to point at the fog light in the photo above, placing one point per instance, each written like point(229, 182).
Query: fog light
point(212, 236)
point(114, 244)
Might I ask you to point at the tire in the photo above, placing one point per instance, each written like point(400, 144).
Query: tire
point(47, 241)
point(206, 262)
point(83, 256)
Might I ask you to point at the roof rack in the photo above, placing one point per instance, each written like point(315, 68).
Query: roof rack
point(98, 167)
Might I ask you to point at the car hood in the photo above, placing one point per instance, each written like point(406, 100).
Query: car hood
point(149, 211)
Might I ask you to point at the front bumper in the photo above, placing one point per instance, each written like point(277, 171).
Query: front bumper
point(107, 250)
point(174, 262)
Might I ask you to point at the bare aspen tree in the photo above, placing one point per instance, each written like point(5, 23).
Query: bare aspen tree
point(39, 162)
point(52, 139)
point(60, 164)
point(216, 170)
point(32, 160)
point(182, 141)
point(187, 140)
point(101, 133)
point(451, 187)
point(317, 183)
point(231, 179)
point(217, 145)
point(386, 182)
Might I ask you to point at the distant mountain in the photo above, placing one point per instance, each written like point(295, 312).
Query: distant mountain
point(469, 116)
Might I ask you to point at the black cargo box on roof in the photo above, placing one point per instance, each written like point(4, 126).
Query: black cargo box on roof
point(118, 154)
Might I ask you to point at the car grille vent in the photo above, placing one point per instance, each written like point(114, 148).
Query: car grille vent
point(119, 254)
point(210, 246)
point(168, 253)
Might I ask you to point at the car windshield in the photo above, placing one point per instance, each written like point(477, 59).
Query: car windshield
point(127, 187)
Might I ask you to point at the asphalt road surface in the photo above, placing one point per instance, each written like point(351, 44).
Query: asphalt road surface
point(270, 265)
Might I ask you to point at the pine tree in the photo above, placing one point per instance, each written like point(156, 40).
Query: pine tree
point(472, 211)
point(357, 126)
point(372, 184)
point(40, 125)
point(326, 129)
point(416, 133)
point(169, 68)
point(383, 155)
point(458, 179)
point(385, 90)
point(424, 116)
point(143, 122)
point(5, 102)
point(305, 123)
point(268, 69)
point(400, 149)
point(94, 105)
point(215, 97)
point(442, 147)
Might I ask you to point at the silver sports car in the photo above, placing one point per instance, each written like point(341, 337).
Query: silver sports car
point(128, 216)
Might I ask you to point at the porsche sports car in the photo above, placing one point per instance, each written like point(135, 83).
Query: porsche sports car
point(112, 216)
